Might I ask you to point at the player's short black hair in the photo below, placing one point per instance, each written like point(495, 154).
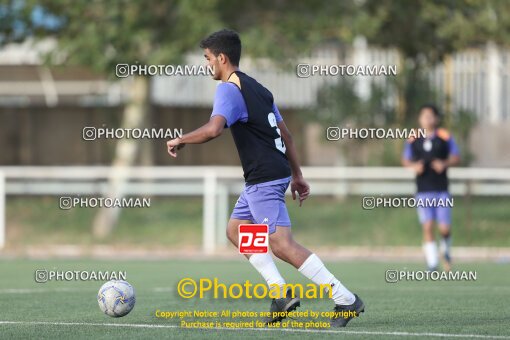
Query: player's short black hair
point(225, 41)
point(432, 108)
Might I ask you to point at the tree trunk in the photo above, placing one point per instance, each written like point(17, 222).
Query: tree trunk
point(135, 113)
point(401, 95)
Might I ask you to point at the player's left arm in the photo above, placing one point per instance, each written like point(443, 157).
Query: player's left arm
point(203, 134)
point(298, 184)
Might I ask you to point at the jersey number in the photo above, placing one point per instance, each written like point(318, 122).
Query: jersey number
point(278, 141)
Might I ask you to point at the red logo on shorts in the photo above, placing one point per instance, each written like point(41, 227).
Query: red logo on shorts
point(253, 238)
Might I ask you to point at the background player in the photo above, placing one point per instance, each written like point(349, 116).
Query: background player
point(430, 159)
point(270, 163)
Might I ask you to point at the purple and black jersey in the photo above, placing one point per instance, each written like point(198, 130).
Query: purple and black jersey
point(440, 145)
point(252, 117)
point(229, 103)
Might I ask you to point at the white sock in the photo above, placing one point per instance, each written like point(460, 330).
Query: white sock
point(314, 269)
point(267, 268)
point(431, 254)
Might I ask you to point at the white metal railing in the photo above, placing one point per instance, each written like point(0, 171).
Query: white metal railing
point(216, 183)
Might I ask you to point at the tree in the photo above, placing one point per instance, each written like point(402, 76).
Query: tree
point(425, 32)
point(284, 30)
point(102, 34)
point(15, 22)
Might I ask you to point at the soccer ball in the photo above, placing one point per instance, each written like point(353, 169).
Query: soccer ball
point(116, 298)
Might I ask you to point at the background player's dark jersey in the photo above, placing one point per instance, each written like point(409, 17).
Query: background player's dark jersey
point(426, 150)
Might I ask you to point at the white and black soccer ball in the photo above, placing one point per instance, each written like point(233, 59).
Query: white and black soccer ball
point(116, 298)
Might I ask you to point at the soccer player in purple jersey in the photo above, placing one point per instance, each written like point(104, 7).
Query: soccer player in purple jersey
point(270, 164)
point(430, 158)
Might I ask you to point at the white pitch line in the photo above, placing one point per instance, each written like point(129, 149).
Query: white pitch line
point(63, 289)
point(163, 289)
point(37, 290)
point(297, 330)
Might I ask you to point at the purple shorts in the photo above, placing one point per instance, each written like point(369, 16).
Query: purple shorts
point(439, 213)
point(264, 203)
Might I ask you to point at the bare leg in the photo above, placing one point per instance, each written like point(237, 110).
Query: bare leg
point(428, 231)
point(233, 232)
point(444, 230)
point(286, 248)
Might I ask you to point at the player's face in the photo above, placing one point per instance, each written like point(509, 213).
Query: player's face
point(213, 62)
point(427, 119)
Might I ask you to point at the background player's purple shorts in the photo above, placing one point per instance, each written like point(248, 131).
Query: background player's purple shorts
point(442, 215)
point(264, 203)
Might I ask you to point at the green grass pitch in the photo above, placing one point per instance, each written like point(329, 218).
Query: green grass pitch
point(393, 310)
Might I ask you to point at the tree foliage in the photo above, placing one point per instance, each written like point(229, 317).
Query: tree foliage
point(101, 34)
point(428, 30)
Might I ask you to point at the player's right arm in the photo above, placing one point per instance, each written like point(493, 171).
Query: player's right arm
point(225, 113)
point(416, 166)
point(203, 134)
